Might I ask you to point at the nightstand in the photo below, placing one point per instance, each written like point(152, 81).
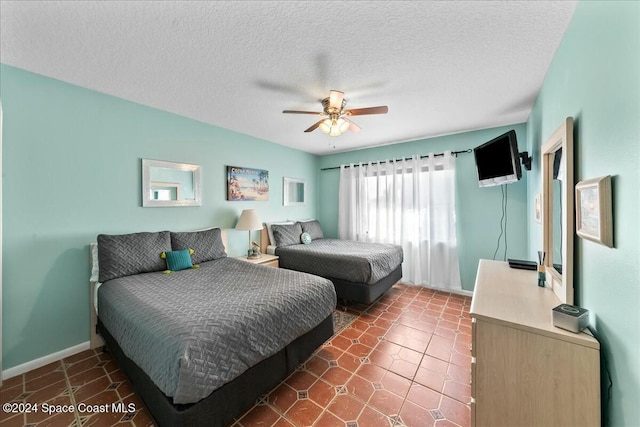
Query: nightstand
point(265, 259)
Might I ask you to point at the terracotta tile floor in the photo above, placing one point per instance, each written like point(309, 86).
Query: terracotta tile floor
point(89, 378)
point(404, 361)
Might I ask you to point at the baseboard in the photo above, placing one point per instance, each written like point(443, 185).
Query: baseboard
point(452, 291)
point(463, 292)
point(42, 361)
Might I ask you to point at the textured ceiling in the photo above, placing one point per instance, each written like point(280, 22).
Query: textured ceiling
point(442, 67)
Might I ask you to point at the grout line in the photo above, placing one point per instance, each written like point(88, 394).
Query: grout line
point(396, 421)
point(72, 397)
point(24, 389)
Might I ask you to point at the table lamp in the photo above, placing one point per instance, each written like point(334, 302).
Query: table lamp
point(248, 222)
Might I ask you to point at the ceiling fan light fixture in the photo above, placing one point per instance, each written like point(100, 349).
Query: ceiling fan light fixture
point(335, 131)
point(334, 126)
point(325, 126)
point(336, 122)
point(343, 125)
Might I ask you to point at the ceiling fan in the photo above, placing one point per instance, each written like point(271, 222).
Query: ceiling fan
point(337, 121)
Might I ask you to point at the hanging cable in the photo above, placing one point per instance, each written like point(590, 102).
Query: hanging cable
point(501, 223)
point(605, 364)
point(506, 216)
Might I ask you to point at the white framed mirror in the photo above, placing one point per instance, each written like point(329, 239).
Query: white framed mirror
point(294, 191)
point(557, 218)
point(169, 184)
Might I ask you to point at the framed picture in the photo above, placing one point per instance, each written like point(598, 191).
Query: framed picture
point(593, 210)
point(247, 184)
point(538, 208)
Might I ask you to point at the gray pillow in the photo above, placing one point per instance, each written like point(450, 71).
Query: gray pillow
point(207, 244)
point(127, 254)
point(313, 228)
point(286, 234)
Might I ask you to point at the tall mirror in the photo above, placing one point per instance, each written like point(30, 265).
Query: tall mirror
point(557, 220)
point(167, 184)
point(293, 191)
point(557, 209)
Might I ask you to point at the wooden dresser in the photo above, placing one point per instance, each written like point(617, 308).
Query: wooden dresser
point(525, 371)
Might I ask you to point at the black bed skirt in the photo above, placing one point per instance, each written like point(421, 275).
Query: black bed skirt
point(366, 293)
point(226, 403)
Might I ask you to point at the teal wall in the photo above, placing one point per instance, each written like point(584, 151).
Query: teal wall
point(72, 169)
point(595, 78)
point(478, 210)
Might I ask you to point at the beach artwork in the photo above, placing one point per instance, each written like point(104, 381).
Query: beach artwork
point(247, 184)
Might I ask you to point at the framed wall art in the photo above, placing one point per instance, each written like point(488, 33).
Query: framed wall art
point(593, 210)
point(247, 184)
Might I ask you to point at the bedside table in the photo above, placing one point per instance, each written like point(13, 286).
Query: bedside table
point(265, 259)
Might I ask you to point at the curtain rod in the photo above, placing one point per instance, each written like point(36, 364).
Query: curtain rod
point(453, 153)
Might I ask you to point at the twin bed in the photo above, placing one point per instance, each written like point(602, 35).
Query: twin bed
point(201, 342)
point(360, 271)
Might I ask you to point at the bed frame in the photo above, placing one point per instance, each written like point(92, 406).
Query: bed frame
point(364, 293)
point(228, 402)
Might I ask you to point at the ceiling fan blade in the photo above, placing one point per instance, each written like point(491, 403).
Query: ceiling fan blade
point(302, 112)
point(314, 126)
point(370, 110)
point(352, 126)
point(335, 99)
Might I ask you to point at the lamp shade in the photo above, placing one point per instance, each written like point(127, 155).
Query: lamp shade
point(249, 221)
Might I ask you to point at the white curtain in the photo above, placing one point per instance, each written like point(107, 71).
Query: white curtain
point(410, 203)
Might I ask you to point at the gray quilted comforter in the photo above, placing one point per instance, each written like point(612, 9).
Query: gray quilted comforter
point(193, 331)
point(348, 260)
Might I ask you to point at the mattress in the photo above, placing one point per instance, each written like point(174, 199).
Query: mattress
point(195, 330)
point(349, 260)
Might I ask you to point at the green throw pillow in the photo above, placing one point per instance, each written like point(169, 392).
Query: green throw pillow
point(178, 260)
point(305, 238)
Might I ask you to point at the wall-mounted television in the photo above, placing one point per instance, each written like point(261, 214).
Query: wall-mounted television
point(498, 161)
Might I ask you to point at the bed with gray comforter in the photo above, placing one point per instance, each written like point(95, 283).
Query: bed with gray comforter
point(360, 271)
point(342, 259)
point(193, 332)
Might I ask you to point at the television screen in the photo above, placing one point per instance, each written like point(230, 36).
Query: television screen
point(497, 161)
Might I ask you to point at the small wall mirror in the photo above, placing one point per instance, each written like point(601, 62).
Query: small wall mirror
point(294, 191)
point(168, 184)
point(557, 219)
